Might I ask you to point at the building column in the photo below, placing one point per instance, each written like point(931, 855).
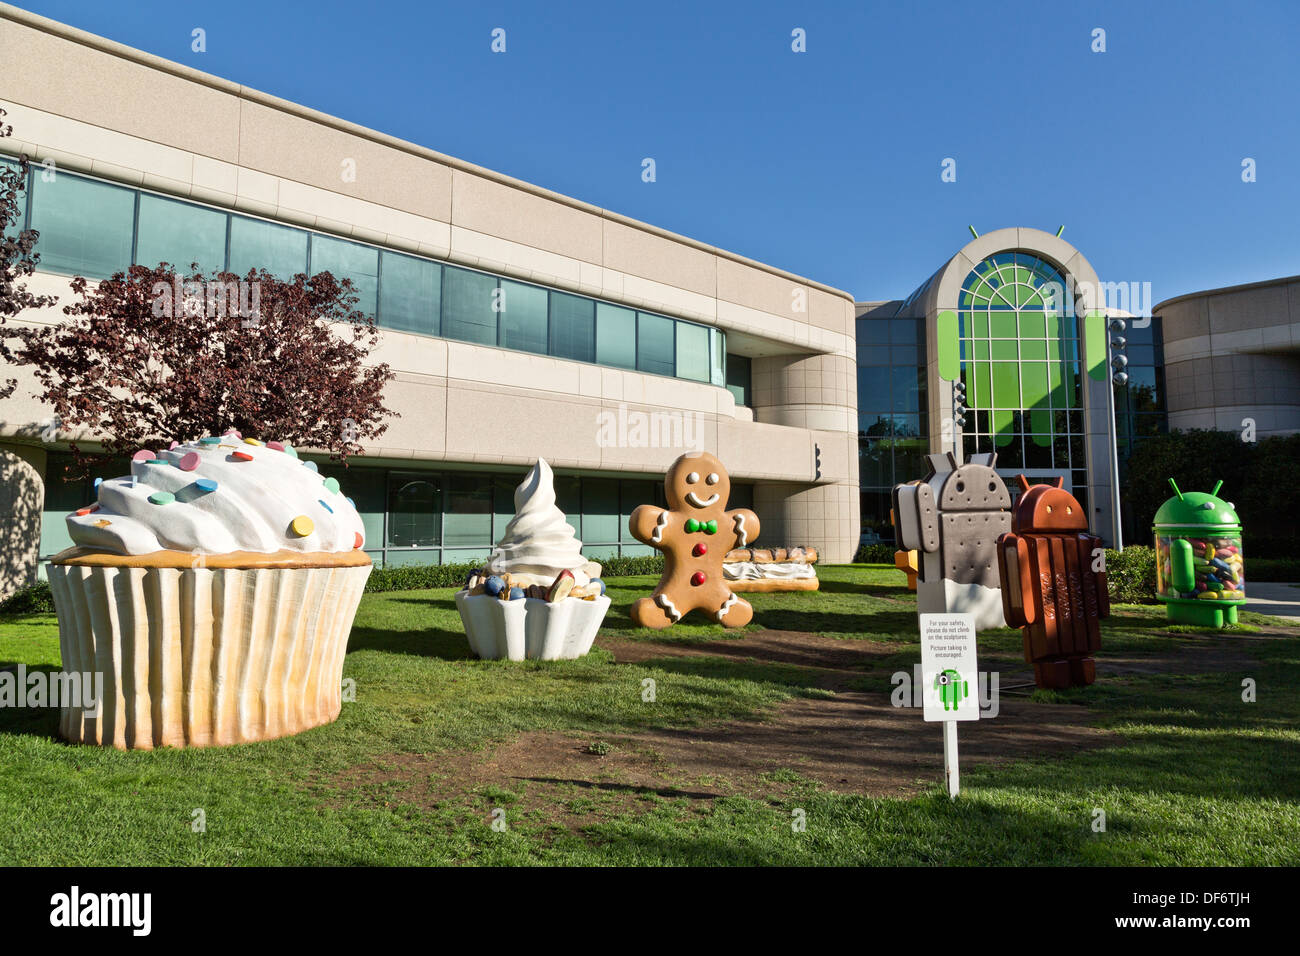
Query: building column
point(22, 498)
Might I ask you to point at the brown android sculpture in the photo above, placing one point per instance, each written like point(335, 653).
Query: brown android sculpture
point(1054, 584)
point(694, 532)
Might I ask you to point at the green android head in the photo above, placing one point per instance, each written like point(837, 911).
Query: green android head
point(1196, 509)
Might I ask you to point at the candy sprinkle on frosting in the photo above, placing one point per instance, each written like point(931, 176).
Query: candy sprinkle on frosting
point(241, 456)
point(310, 465)
point(327, 507)
point(332, 485)
point(210, 440)
point(302, 526)
point(162, 498)
point(144, 454)
point(359, 541)
point(205, 484)
point(275, 446)
point(251, 441)
point(189, 461)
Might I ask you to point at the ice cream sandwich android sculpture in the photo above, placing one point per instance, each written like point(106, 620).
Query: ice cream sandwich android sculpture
point(694, 533)
point(952, 519)
point(1200, 571)
point(1054, 585)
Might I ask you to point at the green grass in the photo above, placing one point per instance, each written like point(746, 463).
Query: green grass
point(1194, 775)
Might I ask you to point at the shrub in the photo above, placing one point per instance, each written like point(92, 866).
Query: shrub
point(875, 554)
point(1131, 575)
point(1271, 569)
point(415, 577)
point(35, 599)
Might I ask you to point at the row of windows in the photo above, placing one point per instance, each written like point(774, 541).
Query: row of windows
point(94, 229)
point(425, 517)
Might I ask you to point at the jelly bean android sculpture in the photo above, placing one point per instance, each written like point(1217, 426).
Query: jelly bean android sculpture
point(1054, 585)
point(952, 519)
point(952, 689)
point(1200, 570)
point(694, 532)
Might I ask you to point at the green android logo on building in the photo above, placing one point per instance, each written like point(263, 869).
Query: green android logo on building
point(952, 689)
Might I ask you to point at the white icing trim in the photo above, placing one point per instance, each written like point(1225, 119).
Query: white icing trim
point(731, 602)
point(660, 523)
point(668, 606)
point(741, 534)
point(694, 500)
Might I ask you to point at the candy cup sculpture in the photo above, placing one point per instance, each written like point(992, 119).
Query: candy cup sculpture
point(694, 533)
point(1053, 585)
point(537, 598)
point(1200, 569)
point(952, 520)
point(213, 588)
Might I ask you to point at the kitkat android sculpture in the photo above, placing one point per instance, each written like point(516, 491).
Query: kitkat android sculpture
point(1054, 585)
point(694, 532)
point(1200, 570)
point(952, 520)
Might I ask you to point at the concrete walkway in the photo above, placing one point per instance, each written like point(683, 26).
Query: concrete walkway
point(1280, 600)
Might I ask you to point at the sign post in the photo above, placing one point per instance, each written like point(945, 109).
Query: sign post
point(949, 672)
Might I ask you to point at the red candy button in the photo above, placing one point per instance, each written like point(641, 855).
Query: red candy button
point(700, 549)
point(357, 543)
point(241, 456)
point(697, 578)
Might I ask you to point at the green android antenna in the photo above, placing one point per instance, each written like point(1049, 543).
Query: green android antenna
point(1173, 484)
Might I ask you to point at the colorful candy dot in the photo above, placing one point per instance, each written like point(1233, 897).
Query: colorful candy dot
point(102, 523)
point(231, 431)
point(357, 541)
point(275, 446)
point(84, 511)
point(189, 461)
point(349, 501)
point(289, 450)
point(692, 526)
point(206, 484)
point(241, 456)
point(144, 454)
point(157, 461)
point(332, 485)
point(311, 465)
point(98, 482)
point(697, 578)
point(210, 440)
point(326, 507)
point(172, 446)
point(302, 526)
point(700, 549)
point(162, 498)
point(252, 441)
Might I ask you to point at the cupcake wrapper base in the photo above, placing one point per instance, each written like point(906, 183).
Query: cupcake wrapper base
point(204, 657)
point(529, 628)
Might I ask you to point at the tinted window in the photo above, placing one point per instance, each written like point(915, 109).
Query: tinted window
point(522, 317)
point(349, 260)
point(615, 336)
point(654, 344)
point(409, 293)
point(467, 299)
point(255, 244)
point(180, 233)
point(85, 226)
point(693, 359)
point(573, 327)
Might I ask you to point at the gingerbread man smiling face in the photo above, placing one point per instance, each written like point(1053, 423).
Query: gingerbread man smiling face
point(694, 533)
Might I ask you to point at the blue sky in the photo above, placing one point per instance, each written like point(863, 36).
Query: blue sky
point(826, 163)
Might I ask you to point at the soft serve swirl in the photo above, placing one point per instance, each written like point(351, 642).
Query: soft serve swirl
point(538, 543)
point(231, 495)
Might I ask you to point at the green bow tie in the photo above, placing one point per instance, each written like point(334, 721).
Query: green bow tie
point(692, 526)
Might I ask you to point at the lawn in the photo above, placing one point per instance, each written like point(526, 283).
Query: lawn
point(579, 768)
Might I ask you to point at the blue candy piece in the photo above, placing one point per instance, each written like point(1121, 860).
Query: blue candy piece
point(98, 482)
point(326, 507)
point(494, 585)
point(310, 464)
point(1221, 565)
point(516, 593)
point(205, 484)
point(601, 583)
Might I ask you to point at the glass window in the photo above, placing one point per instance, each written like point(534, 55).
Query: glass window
point(414, 511)
point(349, 260)
point(568, 498)
point(600, 510)
point(718, 347)
point(634, 494)
point(654, 344)
point(739, 378)
point(573, 327)
point(873, 388)
point(410, 290)
point(467, 306)
point(523, 317)
point(873, 332)
point(366, 488)
point(615, 336)
point(255, 244)
point(85, 226)
point(693, 360)
point(180, 233)
point(468, 520)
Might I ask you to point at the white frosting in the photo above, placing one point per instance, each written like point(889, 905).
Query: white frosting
point(252, 507)
point(751, 571)
point(538, 543)
point(727, 605)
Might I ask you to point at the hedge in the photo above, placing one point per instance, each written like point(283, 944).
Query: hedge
point(875, 554)
point(419, 576)
point(35, 599)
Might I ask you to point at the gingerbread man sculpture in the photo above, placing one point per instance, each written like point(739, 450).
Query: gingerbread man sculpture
point(694, 533)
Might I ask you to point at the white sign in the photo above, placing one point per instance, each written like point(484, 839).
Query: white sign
point(949, 670)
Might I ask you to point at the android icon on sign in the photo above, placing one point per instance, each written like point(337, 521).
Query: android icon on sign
point(952, 689)
point(1200, 569)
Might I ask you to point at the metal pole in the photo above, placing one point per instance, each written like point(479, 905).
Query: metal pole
point(1117, 533)
point(950, 769)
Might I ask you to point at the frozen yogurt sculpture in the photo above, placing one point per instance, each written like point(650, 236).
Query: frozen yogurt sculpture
point(213, 588)
point(537, 598)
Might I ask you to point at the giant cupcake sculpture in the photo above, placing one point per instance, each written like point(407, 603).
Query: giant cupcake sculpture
point(537, 598)
point(213, 589)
